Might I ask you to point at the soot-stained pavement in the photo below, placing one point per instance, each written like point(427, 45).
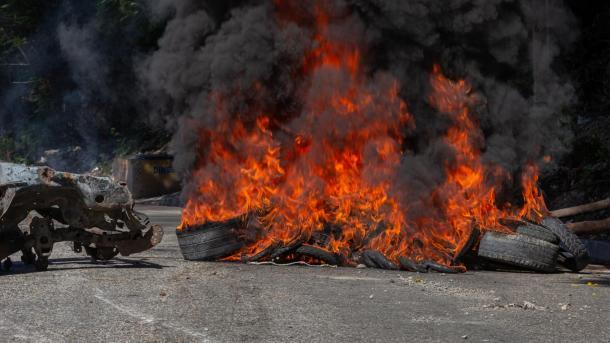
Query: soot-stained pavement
point(157, 296)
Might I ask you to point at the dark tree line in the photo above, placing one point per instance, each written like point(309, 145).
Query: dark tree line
point(67, 78)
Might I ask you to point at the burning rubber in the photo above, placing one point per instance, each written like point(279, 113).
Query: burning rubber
point(40, 207)
point(338, 172)
point(536, 247)
point(539, 247)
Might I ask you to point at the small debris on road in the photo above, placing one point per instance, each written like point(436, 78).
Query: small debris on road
point(526, 306)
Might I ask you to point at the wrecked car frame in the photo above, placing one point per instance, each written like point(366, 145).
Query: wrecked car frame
point(40, 207)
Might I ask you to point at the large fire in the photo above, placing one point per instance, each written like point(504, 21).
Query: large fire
point(330, 170)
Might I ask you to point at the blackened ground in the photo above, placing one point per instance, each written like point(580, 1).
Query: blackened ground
point(157, 296)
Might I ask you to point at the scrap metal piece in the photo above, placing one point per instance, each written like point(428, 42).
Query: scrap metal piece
point(151, 238)
point(92, 212)
point(40, 234)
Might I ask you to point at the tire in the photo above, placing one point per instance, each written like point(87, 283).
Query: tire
point(375, 259)
point(465, 247)
point(209, 242)
point(519, 250)
point(537, 231)
point(318, 253)
point(440, 268)
point(578, 257)
point(411, 266)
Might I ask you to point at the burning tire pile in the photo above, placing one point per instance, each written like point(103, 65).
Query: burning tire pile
point(354, 165)
point(541, 247)
point(545, 247)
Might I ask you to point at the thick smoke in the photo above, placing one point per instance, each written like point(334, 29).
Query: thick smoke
point(207, 49)
point(74, 88)
point(505, 49)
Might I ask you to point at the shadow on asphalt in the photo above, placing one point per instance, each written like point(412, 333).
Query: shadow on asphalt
point(84, 263)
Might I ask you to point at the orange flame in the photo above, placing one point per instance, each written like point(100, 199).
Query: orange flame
point(333, 175)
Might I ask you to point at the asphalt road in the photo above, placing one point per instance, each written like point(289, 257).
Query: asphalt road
point(156, 296)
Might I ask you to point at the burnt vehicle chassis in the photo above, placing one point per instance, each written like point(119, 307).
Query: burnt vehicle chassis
point(40, 207)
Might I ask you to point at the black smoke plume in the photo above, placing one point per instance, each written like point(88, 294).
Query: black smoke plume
point(505, 49)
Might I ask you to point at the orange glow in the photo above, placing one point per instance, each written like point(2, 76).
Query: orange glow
point(534, 207)
point(340, 161)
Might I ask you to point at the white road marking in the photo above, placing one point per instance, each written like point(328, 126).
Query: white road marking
point(147, 319)
point(125, 310)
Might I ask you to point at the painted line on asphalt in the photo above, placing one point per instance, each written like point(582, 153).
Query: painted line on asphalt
point(147, 319)
point(124, 309)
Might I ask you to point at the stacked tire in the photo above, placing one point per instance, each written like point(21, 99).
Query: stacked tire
point(535, 247)
point(210, 241)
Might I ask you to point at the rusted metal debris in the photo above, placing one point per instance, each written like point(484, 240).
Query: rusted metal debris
point(40, 207)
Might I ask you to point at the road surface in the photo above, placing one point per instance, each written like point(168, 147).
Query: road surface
point(156, 296)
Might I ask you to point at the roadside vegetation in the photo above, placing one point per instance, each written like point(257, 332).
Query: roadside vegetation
point(47, 103)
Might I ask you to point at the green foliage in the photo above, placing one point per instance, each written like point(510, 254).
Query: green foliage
point(40, 105)
point(122, 10)
point(41, 96)
point(122, 142)
point(21, 148)
point(7, 147)
point(22, 15)
point(140, 138)
point(8, 43)
point(18, 19)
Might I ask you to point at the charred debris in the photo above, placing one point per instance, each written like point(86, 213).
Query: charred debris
point(41, 207)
